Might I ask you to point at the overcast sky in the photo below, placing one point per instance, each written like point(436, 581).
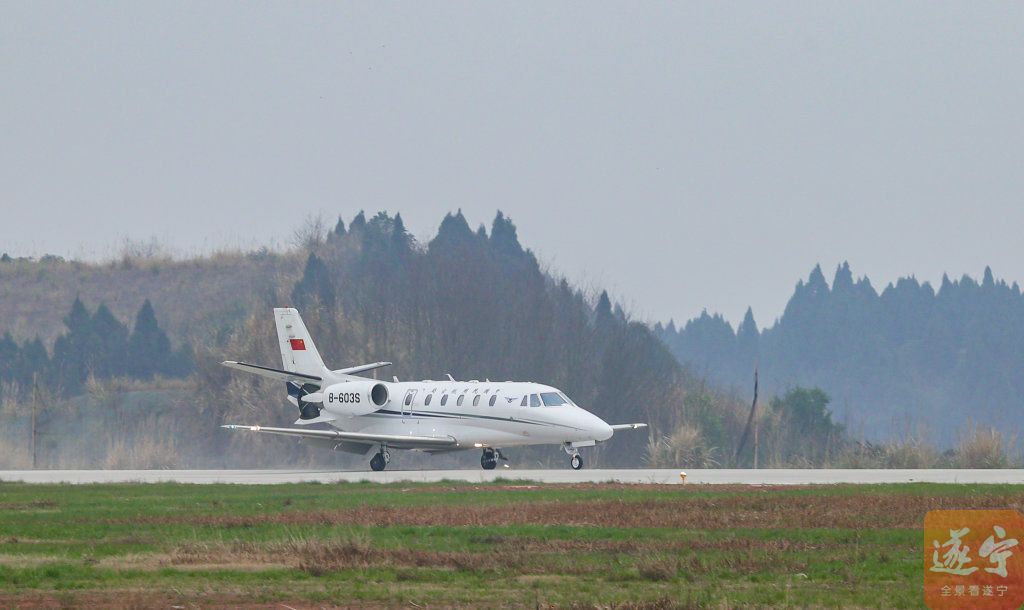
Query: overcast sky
point(684, 155)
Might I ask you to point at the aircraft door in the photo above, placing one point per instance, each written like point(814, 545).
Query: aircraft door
point(410, 398)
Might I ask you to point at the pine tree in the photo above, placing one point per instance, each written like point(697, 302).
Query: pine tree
point(358, 223)
point(72, 361)
point(454, 235)
point(149, 349)
point(401, 241)
point(32, 361)
point(503, 236)
point(315, 285)
point(8, 358)
point(747, 339)
point(603, 311)
point(110, 344)
point(339, 228)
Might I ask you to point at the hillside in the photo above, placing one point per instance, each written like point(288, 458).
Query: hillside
point(910, 361)
point(473, 303)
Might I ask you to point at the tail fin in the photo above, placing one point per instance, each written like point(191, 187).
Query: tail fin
point(297, 349)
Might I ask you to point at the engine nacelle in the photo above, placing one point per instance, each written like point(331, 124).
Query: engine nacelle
point(355, 397)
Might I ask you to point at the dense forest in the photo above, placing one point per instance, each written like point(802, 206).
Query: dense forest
point(909, 362)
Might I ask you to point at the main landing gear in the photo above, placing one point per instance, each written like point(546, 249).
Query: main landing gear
point(490, 457)
point(380, 460)
point(575, 459)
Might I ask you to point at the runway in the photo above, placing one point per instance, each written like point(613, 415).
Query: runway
point(659, 476)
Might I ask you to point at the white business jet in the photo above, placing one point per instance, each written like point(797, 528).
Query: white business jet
point(371, 417)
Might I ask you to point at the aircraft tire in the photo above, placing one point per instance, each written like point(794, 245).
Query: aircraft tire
point(576, 462)
point(488, 460)
point(378, 463)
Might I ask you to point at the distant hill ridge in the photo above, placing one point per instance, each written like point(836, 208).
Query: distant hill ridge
point(910, 359)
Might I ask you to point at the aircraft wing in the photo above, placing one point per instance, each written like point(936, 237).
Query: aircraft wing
point(277, 374)
point(628, 426)
point(398, 441)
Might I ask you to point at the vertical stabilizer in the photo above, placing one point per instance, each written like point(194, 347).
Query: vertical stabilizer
point(298, 353)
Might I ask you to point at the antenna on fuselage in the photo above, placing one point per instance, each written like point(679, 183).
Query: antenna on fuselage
point(450, 378)
point(395, 377)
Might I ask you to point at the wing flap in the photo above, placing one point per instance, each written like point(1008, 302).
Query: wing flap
point(393, 440)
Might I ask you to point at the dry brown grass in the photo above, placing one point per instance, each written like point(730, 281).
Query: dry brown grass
point(146, 452)
point(741, 511)
point(983, 448)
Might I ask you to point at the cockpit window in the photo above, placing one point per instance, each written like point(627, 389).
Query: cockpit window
point(552, 399)
point(534, 401)
point(568, 400)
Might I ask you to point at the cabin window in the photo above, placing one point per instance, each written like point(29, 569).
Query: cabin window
point(534, 400)
point(523, 404)
point(444, 400)
point(552, 399)
point(426, 401)
point(458, 402)
point(476, 400)
point(408, 399)
point(493, 398)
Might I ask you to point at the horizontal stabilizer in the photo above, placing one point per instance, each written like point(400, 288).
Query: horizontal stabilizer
point(362, 368)
point(628, 426)
point(398, 441)
point(270, 373)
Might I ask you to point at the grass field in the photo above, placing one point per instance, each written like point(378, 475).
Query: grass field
point(512, 543)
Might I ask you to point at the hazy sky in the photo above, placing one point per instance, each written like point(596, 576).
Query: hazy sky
point(684, 155)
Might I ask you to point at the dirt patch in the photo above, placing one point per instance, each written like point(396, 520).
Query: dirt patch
point(33, 505)
point(120, 600)
point(864, 511)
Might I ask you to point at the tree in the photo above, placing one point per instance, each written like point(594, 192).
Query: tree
point(32, 360)
point(503, 237)
point(8, 358)
point(603, 310)
point(315, 286)
point(72, 351)
point(109, 344)
point(358, 223)
point(149, 349)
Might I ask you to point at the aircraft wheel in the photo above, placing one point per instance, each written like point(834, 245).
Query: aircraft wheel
point(488, 460)
point(377, 462)
point(576, 462)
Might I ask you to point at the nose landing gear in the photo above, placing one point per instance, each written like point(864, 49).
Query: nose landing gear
point(575, 459)
point(380, 460)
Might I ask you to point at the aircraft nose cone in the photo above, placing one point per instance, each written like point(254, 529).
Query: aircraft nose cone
point(600, 429)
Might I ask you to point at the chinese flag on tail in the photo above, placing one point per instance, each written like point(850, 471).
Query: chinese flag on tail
point(298, 345)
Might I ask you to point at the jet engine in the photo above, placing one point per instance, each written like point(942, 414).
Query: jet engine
point(353, 397)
